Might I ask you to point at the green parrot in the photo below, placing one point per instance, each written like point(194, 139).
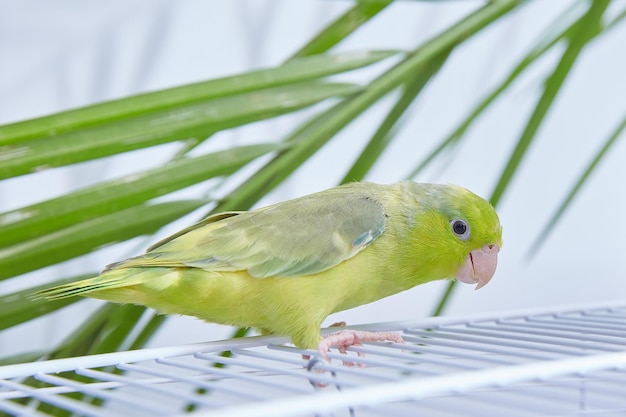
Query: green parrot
point(284, 268)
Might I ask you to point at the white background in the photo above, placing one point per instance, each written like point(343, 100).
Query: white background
point(64, 54)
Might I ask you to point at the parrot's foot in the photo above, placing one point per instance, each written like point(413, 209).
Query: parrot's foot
point(338, 324)
point(346, 338)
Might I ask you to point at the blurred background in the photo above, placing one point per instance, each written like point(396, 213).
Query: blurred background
point(67, 54)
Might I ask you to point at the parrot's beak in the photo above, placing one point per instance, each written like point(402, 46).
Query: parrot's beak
point(479, 266)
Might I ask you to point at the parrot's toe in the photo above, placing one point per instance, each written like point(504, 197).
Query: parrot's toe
point(346, 338)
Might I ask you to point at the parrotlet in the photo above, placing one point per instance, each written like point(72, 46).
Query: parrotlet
point(284, 268)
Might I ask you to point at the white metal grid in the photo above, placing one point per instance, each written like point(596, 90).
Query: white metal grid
point(566, 362)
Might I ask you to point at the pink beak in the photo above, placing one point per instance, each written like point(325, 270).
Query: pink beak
point(479, 266)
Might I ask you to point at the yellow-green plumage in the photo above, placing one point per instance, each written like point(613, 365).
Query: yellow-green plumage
point(284, 268)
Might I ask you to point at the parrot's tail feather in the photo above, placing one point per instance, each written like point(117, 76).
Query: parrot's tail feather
point(118, 279)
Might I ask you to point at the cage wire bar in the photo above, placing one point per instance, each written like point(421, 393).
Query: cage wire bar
point(559, 362)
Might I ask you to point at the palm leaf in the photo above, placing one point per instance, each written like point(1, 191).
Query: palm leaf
point(575, 189)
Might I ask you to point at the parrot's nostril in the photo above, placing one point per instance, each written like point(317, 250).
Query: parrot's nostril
point(493, 248)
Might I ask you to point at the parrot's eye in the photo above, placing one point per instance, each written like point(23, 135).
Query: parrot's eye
point(460, 228)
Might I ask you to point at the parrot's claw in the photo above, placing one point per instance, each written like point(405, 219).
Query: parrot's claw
point(346, 338)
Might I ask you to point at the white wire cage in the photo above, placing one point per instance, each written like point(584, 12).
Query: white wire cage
point(565, 362)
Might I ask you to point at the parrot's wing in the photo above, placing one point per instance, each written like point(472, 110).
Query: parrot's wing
point(297, 237)
point(211, 219)
point(136, 261)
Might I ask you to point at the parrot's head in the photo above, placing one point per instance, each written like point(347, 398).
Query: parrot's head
point(468, 230)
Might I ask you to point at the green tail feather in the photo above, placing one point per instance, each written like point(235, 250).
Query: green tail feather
point(106, 281)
